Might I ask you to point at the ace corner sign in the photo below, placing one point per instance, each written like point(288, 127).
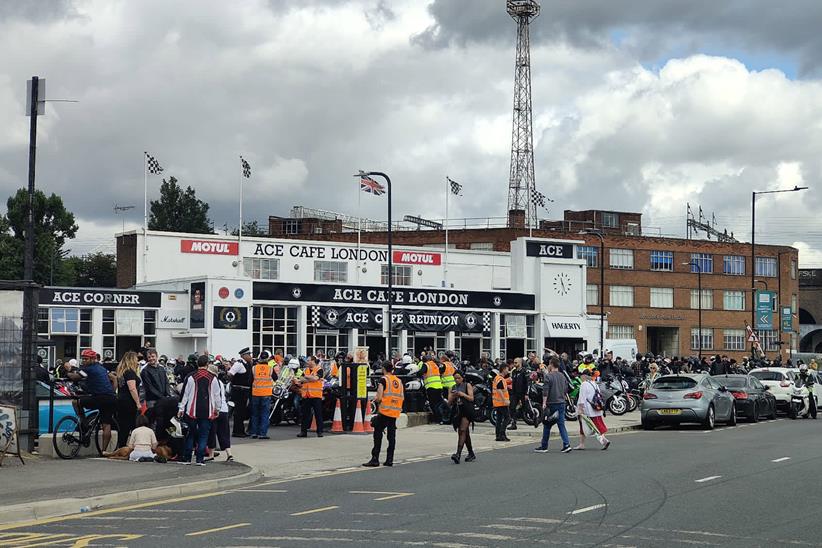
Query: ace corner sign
point(230, 317)
point(550, 250)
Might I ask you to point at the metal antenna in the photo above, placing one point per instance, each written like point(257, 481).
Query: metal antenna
point(122, 209)
point(521, 184)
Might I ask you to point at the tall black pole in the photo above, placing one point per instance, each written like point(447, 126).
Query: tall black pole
point(699, 303)
point(29, 395)
point(753, 262)
point(602, 296)
point(390, 262)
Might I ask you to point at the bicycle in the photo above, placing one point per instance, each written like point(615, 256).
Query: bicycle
point(71, 433)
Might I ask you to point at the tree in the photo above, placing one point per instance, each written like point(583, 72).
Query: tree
point(94, 270)
point(251, 228)
point(53, 226)
point(179, 210)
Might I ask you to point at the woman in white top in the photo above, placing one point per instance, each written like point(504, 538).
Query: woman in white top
point(588, 416)
point(142, 440)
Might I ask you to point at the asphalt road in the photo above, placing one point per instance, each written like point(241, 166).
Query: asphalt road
point(751, 485)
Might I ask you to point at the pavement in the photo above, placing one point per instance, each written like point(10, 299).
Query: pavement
point(746, 486)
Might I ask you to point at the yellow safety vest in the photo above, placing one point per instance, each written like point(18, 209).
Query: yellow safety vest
point(432, 376)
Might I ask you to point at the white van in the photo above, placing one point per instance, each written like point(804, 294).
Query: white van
point(622, 348)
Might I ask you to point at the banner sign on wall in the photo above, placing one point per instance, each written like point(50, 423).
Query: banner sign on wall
point(197, 307)
point(764, 309)
point(209, 247)
point(325, 317)
point(787, 319)
point(549, 249)
point(230, 317)
point(404, 296)
point(75, 296)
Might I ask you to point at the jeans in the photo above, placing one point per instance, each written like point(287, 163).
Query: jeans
point(382, 423)
point(503, 418)
point(546, 428)
point(198, 430)
point(309, 404)
point(260, 408)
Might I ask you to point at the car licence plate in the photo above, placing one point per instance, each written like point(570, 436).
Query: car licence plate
point(670, 411)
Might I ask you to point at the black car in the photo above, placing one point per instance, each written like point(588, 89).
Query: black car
point(751, 398)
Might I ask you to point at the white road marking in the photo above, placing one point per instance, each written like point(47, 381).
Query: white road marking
point(260, 491)
point(782, 459)
point(709, 478)
point(586, 509)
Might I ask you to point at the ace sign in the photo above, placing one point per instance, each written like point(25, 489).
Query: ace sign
point(549, 250)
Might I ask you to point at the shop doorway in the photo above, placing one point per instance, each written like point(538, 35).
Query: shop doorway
point(663, 341)
point(514, 348)
point(470, 350)
point(376, 346)
point(422, 344)
point(569, 346)
point(65, 347)
point(126, 344)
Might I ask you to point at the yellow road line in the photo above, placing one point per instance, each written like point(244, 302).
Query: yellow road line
point(390, 494)
point(217, 529)
point(397, 496)
point(314, 511)
point(44, 521)
point(15, 539)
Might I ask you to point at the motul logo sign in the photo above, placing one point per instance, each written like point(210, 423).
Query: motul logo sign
point(415, 257)
point(207, 247)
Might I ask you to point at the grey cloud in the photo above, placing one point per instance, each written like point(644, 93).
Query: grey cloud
point(36, 11)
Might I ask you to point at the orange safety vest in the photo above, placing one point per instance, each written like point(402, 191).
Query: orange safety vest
point(263, 384)
point(500, 395)
point(448, 374)
point(334, 369)
point(311, 389)
point(392, 397)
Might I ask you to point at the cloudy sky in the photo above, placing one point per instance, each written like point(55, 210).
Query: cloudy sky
point(638, 105)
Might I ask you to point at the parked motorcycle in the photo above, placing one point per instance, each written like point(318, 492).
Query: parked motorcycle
point(282, 400)
point(482, 393)
point(614, 396)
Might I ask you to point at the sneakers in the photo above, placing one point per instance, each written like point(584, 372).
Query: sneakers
point(540, 449)
point(264, 438)
point(567, 449)
point(471, 457)
point(579, 448)
point(229, 458)
point(606, 446)
point(199, 464)
point(371, 464)
point(254, 436)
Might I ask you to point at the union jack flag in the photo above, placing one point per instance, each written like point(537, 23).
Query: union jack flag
point(369, 185)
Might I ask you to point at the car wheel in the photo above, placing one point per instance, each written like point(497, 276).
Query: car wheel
point(755, 415)
point(710, 419)
point(732, 418)
point(772, 416)
point(647, 425)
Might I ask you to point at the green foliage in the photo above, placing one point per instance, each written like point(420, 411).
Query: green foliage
point(53, 226)
point(251, 228)
point(94, 270)
point(179, 210)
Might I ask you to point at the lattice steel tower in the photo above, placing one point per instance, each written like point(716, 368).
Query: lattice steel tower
point(522, 210)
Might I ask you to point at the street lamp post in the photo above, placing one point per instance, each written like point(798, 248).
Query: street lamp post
point(754, 194)
point(390, 257)
point(601, 288)
point(699, 305)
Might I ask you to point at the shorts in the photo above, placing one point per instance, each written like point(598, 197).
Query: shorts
point(106, 404)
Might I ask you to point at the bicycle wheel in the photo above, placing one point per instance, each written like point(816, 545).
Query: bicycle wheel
point(66, 437)
point(98, 434)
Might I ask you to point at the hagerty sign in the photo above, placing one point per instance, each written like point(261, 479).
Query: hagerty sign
point(405, 296)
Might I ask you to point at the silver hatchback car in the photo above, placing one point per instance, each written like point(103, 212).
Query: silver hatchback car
point(677, 399)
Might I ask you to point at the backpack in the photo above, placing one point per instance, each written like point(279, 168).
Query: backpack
point(597, 403)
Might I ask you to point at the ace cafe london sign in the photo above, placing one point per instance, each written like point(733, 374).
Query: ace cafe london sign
point(340, 253)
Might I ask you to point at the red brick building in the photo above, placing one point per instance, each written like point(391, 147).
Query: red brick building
point(650, 288)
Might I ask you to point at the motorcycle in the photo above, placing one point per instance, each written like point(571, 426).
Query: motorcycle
point(282, 400)
point(614, 396)
point(482, 393)
point(799, 407)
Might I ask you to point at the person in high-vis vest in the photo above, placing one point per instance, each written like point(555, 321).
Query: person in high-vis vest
point(432, 381)
point(262, 385)
point(311, 394)
point(389, 398)
point(501, 401)
point(448, 369)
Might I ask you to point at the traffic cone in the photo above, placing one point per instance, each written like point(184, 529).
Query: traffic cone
point(358, 427)
point(336, 424)
point(367, 413)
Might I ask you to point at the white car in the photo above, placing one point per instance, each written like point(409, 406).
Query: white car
point(779, 381)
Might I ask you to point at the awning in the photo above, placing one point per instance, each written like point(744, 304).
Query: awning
point(564, 327)
point(188, 335)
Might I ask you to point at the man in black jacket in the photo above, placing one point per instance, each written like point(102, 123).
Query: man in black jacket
point(519, 389)
point(155, 379)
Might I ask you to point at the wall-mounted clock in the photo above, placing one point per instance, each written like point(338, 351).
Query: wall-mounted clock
point(562, 284)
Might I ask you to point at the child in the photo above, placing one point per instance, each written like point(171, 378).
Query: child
point(142, 441)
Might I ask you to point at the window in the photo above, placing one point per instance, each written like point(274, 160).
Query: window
point(707, 339)
point(622, 258)
point(794, 304)
point(65, 321)
point(610, 220)
point(620, 331)
point(402, 274)
point(734, 265)
point(707, 299)
point(769, 339)
point(734, 339)
point(632, 229)
point(591, 294)
point(261, 268)
point(330, 271)
point(590, 254)
point(43, 321)
point(793, 269)
point(482, 246)
point(765, 266)
point(662, 260)
point(734, 300)
point(662, 297)
point(291, 226)
point(622, 295)
point(702, 262)
point(85, 321)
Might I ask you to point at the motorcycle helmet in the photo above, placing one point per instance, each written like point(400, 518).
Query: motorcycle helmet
point(293, 364)
point(407, 359)
point(589, 358)
point(88, 353)
point(176, 428)
point(803, 368)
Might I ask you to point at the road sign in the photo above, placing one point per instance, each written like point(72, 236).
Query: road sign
point(764, 309)
point(787, 319)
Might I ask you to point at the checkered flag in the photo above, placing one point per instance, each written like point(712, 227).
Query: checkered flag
point(486, 322)
point(539, 198)
point(456, 188)
point(246, 168)
point(315, 316)
point(152, 164)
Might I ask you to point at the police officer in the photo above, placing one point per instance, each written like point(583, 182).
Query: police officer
point(389, 397)
point(241, 375)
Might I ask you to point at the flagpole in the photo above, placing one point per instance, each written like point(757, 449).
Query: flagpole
point(359, 230)
point(145, 213)
point(445, 268)
point(240, 231)
point(531, 223)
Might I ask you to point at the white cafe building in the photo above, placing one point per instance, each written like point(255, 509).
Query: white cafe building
point(187, 293)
